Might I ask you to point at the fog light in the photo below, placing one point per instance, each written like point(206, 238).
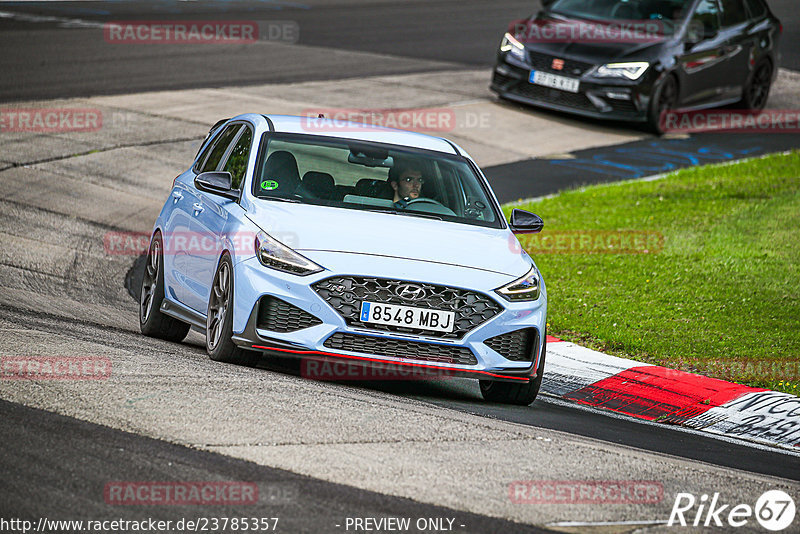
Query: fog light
point(618, 96)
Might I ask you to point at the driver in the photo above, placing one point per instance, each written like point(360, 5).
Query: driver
point(406, 180)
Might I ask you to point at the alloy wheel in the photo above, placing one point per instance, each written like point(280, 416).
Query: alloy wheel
point(218, 306)
point(759, 86)
point(150, 281)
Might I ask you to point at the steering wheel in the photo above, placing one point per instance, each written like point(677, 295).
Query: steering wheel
point(407, 201)
point(438, 206)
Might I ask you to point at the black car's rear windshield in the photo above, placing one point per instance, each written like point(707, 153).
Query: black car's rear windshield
point(361, 175)
point(668, 11)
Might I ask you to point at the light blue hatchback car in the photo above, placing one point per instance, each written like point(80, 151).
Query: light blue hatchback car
point(346, 243)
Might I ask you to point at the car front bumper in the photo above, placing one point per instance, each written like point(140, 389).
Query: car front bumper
point(287, 315)
point(608, 99)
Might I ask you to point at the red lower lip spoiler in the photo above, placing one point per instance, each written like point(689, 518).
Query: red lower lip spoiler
point(363, 358)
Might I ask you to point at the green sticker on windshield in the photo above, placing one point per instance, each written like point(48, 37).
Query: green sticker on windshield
point(269, 185)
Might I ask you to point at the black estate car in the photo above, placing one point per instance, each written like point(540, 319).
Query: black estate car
point(634, 59)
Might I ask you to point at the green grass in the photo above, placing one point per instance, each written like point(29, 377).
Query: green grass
point(721, 298)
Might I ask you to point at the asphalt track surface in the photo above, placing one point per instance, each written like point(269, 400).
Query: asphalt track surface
point(439, 32)
point(34, 481)
point(97, 455)
point(628, 161)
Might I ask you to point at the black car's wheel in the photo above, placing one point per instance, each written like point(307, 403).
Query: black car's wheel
point(151, 321)
point(513, 393)
point(665, 98)
point(756, 89)
point(219, 321)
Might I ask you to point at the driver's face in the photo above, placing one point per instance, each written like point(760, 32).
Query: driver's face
point(409, 185)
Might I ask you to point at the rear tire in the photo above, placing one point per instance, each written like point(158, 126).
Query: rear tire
point(152, 322)
point(756, 89)
point(219, 320)
point(513, 393)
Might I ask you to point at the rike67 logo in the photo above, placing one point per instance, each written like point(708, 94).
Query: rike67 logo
point(774, 510)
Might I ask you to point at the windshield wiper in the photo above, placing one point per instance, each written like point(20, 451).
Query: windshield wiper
point(282, 199)
point(408, 213)
point(567, 17)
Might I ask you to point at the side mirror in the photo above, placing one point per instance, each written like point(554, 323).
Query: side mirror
point(216, 183)
point(525, 222)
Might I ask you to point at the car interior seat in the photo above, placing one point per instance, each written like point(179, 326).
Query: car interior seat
point(367, 187)
point(319, 185)
point(280, 176)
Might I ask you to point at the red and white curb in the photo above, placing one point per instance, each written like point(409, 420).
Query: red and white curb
point(668, 396)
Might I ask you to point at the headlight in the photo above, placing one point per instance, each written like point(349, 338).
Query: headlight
point(275, 255)
point(525, 288)
point(631, 71)
point(512, 46)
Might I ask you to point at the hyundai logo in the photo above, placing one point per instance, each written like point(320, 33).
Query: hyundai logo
point(410, 292)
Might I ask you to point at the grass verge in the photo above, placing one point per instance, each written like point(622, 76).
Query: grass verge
point(709, 278)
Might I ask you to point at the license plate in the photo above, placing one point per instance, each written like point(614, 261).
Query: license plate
point(555, 81)
point(408, 316)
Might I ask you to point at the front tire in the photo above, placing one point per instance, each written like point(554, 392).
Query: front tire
point(513, 393)
point(219, 319)
point(152, 322)
point(664, 99)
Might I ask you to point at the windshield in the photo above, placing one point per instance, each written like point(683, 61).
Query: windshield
point(670, 12)
point(361, 175)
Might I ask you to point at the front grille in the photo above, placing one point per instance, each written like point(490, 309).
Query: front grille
point(556, 96)
point(345, 295)
point(277, 315)
point(396, 348)
point(517, 346)
point(545, 62)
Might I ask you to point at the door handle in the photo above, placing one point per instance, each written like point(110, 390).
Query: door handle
point(176, 196)
point(198, 208)
point(731, 50)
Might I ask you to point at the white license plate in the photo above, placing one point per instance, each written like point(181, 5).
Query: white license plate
point(555, 81)
point(408, 316)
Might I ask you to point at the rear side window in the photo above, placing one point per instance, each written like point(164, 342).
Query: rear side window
point(756, 8)
point(733, 12)
point(219, 146)
point(237, 161)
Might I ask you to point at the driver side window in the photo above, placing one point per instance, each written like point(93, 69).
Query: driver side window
point(705, 21)
point(237, 160)
point(220, 145)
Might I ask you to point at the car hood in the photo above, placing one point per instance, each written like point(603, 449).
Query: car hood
point(596, 52)
point(306, 227)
